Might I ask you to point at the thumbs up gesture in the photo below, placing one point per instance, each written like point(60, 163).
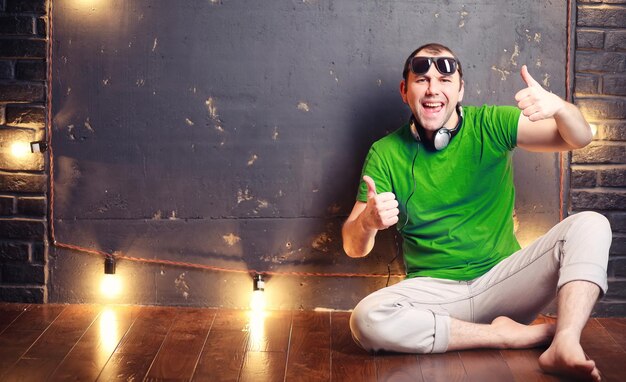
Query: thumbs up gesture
point(382, 209)
point(535, 102)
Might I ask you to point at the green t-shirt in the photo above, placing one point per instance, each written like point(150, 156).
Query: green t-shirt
point(460, 221)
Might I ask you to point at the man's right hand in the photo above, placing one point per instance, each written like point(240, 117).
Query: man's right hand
point(382, 209)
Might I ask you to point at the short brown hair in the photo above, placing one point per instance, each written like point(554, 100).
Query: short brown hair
point(431, 48)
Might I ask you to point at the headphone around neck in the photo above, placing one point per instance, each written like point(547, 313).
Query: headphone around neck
point(441, 137)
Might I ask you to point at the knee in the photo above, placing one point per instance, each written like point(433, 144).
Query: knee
point(364, 328)
point(395, 327)
point(590, 221)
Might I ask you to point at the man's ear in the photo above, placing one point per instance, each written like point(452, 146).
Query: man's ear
point(461, 91)
point(403, 91)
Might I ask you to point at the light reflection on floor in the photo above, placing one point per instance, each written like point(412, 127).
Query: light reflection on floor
point(109, 332)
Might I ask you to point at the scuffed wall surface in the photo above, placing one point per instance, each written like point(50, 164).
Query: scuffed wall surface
point(232, 134)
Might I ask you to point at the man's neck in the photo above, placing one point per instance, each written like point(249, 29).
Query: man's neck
point(450, 124)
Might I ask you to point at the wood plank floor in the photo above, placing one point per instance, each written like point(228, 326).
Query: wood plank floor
point(133, 343)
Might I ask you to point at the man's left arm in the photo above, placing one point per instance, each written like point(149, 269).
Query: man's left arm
point(547, 122)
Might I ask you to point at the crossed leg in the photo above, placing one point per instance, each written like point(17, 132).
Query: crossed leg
point(502, 333)
point(565, 355)
point(582, 252)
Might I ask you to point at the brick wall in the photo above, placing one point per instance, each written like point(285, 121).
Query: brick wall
point(598, 172)
point(23, 181)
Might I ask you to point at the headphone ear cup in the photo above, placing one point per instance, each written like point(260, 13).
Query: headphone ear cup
point(441, 139)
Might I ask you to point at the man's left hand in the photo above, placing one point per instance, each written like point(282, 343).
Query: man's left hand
point(535, 102)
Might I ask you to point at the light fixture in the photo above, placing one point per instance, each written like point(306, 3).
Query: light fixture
point(110, 284)
point(256, 324)
point(38, 146)
point(109, 265)
point(258, 283)
point(257, 301)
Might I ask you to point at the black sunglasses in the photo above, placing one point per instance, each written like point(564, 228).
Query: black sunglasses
point(445, 65)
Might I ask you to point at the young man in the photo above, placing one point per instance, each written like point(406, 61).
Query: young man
point(446, 180)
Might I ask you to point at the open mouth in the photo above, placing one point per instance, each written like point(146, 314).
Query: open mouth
point(432, 107)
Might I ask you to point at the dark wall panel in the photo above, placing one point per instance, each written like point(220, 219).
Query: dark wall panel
point(231, 133)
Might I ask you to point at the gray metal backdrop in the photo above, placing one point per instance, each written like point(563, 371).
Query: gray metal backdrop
point(231, 133)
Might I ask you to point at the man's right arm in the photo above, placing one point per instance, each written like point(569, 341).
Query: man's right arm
point(358, 241)
point(366, 219)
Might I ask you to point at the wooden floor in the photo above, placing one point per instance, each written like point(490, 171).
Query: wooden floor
point(132, 343)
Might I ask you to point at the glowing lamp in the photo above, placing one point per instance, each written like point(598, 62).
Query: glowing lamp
point(257, 302)
point(110, 286)
point(19, 149)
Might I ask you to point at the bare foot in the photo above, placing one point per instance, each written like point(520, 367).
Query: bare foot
point(566, 357)
point(520, 336)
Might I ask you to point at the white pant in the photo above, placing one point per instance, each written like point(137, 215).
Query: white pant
point(413, 316)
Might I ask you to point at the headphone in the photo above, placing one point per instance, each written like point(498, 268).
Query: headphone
point(441, 137)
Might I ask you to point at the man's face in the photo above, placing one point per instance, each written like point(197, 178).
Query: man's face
point(433, 96)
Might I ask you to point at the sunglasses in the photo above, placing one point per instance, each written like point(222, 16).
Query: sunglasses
point(445, 65)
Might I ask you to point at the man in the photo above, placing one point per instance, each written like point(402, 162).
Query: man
point(446, 180)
